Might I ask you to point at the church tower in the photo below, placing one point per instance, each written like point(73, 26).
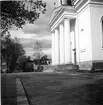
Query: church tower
point(66, 2)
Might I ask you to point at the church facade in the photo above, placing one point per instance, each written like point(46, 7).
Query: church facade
point(77, 34)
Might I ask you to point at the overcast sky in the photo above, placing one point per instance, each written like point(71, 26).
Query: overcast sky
point(38, 31)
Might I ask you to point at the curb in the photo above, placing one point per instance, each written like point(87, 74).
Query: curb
point(21, 96)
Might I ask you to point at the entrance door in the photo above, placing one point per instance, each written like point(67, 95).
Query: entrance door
point(73, 48)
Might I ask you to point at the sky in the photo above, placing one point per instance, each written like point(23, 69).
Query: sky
point(39, 31)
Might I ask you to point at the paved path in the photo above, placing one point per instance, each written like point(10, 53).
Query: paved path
point(54, 88)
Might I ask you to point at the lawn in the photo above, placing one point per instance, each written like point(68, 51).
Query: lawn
point(55, 88)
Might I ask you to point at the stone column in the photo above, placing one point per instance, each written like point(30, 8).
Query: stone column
point(61, 29)
point(53, 48)
point(56, 46)
point(68, 55)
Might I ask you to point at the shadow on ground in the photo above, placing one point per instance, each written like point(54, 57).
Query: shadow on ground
point(8, 91)
point(55, 89)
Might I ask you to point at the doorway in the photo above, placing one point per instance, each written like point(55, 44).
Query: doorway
point(73, 48)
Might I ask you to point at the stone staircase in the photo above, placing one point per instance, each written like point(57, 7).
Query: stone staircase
point(60, 68)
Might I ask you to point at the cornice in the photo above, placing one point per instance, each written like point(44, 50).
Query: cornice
point(74, 2)
point(69, 10)
point(88, 2)
point(58, 9)
point(65, 15)
point(80, 4)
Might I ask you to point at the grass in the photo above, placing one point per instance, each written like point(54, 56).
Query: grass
point(55, 88)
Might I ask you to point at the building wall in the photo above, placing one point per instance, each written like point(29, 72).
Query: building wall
point(88, 34)
point(83, 39)
point(96, 33)
point(84, 35)
point(96, 14)
point(90, 37)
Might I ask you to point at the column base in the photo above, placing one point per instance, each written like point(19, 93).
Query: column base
point(65, 67)
point(61, 67)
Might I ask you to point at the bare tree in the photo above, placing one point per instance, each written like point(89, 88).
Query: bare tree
point(38, 51)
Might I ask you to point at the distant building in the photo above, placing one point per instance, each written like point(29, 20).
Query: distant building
point(42, 61)
point(77, 34)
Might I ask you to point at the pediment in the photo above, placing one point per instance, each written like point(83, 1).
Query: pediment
point(59, 11)
point(55, 12)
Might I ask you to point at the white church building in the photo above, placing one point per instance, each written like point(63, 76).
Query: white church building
point(77, 34)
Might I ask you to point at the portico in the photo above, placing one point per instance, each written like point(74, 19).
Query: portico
point(61, 40)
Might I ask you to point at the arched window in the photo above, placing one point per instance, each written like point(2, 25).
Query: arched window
point(102, 30)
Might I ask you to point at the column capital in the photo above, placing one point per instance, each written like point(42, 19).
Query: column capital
point(66, 19)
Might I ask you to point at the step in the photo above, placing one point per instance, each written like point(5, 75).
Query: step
point(60, 68)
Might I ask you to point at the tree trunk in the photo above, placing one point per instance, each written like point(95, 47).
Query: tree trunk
point(13, 63)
